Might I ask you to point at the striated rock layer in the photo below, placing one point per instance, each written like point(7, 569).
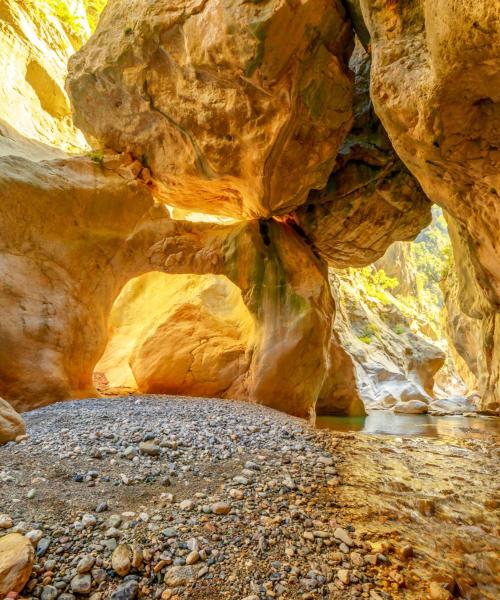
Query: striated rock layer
point(220, 98)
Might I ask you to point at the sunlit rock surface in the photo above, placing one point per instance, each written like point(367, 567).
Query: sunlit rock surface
point(371, 199)
point(187, 334)
point(473, 324)
point(11, 424)
point(90, 227)
point(391, 360)
point(16, 562)
point(220, 99)
point(34, 50)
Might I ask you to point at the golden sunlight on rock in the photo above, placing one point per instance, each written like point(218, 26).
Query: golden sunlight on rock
point(179, 334)
point(249, 299)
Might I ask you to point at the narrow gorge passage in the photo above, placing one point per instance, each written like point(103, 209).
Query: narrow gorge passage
point(249, 299)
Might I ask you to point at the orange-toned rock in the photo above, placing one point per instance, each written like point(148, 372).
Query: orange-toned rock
point(237, 108)
point(11, 424)
point(178, 334)
point(86, 231)
point(435, 82)
point(16, 562)
point(371, 199)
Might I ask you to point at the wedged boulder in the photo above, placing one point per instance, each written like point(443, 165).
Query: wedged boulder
point(11, 423)
point(92, 225)
point(411, 407)
point(371, 199)
point(16, 562)
point(220, 98)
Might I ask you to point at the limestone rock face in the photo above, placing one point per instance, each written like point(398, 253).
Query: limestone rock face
point(473, 324)
point(11, 424)
point(391, 364)
point(371, 199)
point(16, 562)
point(398, 262)
point(221, 99)
point(88, 228)
point(34, 50)
point(435, 83)
point(340, 393)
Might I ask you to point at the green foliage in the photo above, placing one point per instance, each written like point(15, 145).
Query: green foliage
point(368, 332)
point(96, 156)
point(399, 329)
point(94, 9)
point(72, 24)
point(432, 254)
point(377, 283)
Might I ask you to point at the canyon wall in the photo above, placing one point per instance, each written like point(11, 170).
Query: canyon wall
point(249, 112)
point(435, 83)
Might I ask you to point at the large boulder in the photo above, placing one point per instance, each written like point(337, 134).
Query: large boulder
point(221, 99)
point(178, 334)
point(371, 199)
point(11, 424)
point(16, 563)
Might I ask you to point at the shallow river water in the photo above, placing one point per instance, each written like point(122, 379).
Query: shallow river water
point(385, 422)
point(431, 483)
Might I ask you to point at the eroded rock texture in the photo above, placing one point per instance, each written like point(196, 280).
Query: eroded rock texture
point(435, 84)
point(220, 98)
point(11, 424)
point(371, 199)
point(473, 325)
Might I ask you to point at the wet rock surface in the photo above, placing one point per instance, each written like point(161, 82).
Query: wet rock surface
point(427, 504)
point(240, 502)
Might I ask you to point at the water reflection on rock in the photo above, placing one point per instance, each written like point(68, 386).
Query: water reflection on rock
point(430, 484)
point(386, 422)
